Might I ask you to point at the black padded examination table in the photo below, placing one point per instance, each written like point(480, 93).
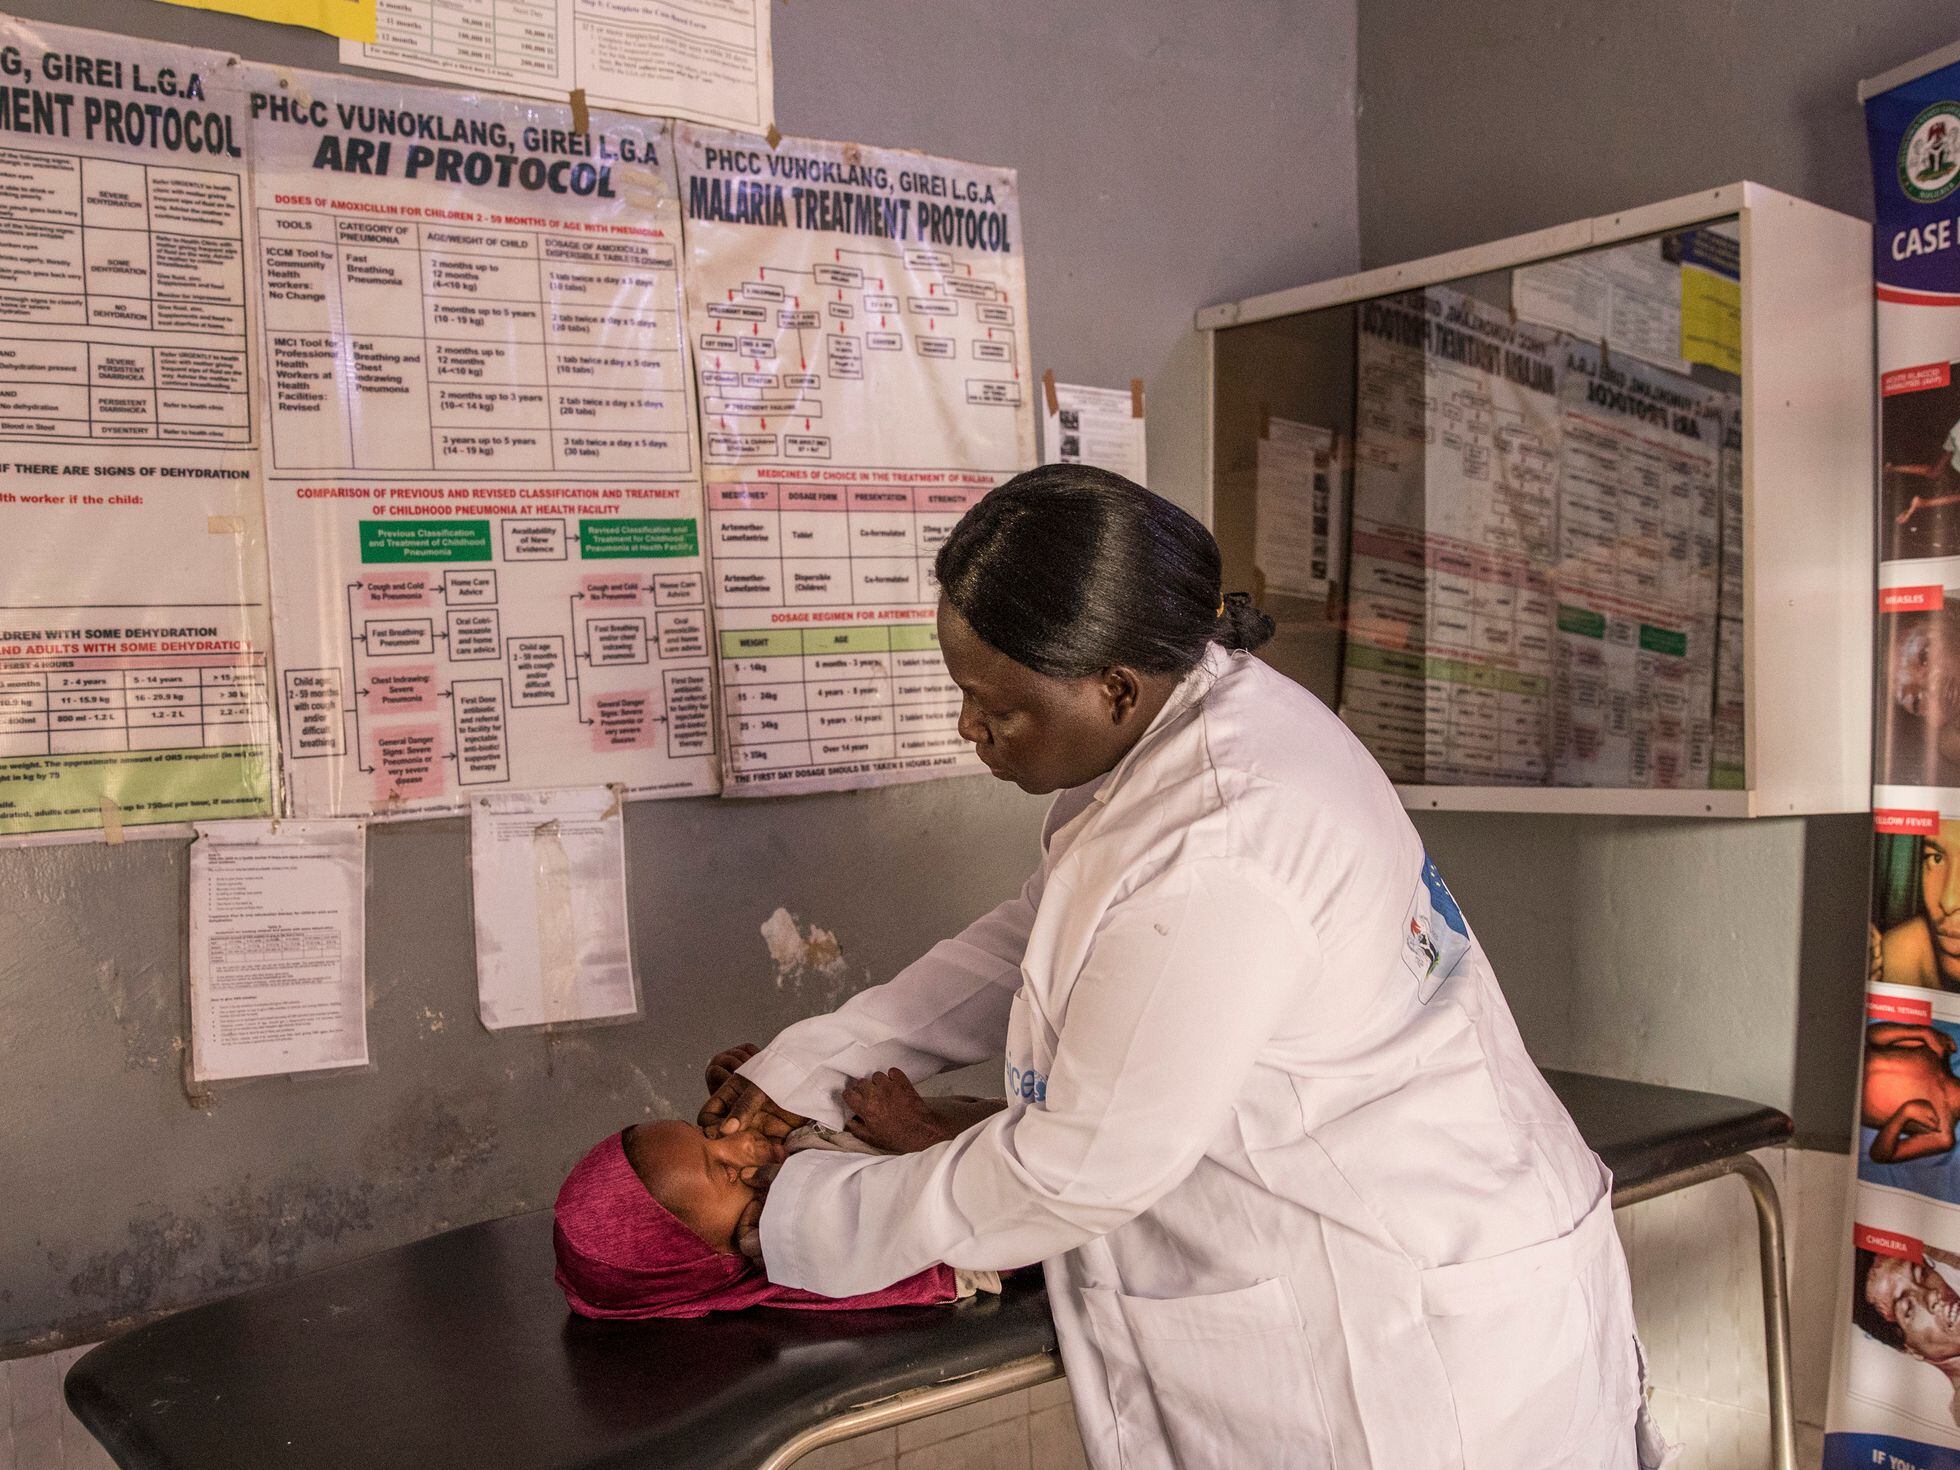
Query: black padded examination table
point(457, 1353)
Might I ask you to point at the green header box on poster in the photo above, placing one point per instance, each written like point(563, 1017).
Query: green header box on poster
point(915, 638)
point(1581, 620)
point(419, 541)
point(761, 643)
point(1385, 660)
point(847, 640)
point(600, 540)
point(1663, 640)
point(64, 793)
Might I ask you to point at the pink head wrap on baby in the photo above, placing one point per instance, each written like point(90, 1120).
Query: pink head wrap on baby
point(623, 1254)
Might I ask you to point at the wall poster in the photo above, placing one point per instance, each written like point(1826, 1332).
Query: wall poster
point(859, 321)
point(1895, 1381)
point(133, 622)
point(482, 482)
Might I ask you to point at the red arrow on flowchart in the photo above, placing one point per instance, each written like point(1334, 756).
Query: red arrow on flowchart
point(931, 324)
point(765, 423)
point(755, 329)
point(806, 424)
point(881, 321)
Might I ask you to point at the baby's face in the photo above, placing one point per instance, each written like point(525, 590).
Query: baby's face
point(697, 1177)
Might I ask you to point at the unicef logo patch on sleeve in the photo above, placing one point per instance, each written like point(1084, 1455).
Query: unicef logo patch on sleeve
point(1026, 1083)
point(1435, 937)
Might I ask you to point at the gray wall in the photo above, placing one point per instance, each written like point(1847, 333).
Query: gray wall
point(1170, 155)
point(1728, 958)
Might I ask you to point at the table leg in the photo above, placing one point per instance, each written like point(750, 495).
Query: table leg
point(1775, 1283)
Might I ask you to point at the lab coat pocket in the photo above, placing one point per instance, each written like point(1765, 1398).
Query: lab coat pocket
point(1225, 1380)
point(1518, 1341)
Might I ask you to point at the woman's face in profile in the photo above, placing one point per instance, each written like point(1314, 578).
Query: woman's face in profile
point(1925, 674)
point(1041, 733)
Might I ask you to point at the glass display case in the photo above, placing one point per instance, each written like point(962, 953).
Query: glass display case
point(1576, 521)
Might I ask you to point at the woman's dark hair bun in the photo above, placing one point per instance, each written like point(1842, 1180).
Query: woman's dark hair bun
point(1071, 570)
point(1241, 625)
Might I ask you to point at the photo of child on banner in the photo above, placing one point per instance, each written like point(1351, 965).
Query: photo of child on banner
point(1918, 662)
point(1909, 1100)
point(1919, 505)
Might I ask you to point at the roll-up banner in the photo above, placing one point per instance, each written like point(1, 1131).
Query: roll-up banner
point(1895, 1383)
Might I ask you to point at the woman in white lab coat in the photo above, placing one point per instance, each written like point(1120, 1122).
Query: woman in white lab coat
point(1300, 1195)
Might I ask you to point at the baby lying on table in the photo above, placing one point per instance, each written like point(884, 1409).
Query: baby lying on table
point(646, 1222)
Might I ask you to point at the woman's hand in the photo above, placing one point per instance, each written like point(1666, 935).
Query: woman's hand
point(886, 1111)
point(735, 1103)
point(724, 1063)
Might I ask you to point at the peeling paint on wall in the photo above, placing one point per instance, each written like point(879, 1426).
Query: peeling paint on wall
point(248, 1234)
point(797, 951)
point(148, 1010)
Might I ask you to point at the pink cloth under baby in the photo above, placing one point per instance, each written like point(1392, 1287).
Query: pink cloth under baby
point(622, 1254)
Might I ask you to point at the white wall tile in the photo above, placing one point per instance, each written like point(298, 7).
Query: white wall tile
point(1694, 1263)
point(998, 1446)
point(1053, 1440)
point(36, 1430)
point(963, 1420)
point(6, 1418)
point(879, 1449)
point(1047, 1395)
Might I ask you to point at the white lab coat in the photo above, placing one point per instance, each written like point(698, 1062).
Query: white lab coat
point(1291, 1212)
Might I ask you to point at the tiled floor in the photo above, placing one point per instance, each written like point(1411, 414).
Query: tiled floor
point(1693, 1260)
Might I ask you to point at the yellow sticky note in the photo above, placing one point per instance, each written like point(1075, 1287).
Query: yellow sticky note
point(1711, 319)
point(352, 20)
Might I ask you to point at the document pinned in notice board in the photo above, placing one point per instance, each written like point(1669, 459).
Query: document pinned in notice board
point(278, 975)
point(1097, 426)
point(548, 875)
point(1296, 502)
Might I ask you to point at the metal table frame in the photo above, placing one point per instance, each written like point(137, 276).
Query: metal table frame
point(1775, 1281)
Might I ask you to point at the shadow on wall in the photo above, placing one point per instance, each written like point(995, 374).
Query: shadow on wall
point(1831, 964)
point(1726, 956)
